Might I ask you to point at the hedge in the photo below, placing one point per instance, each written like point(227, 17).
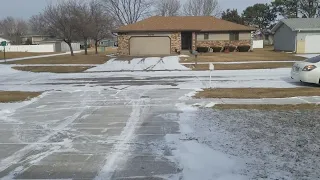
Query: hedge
point(202, 49)
point(216, 49)
point(231, 48)
point(244, 48)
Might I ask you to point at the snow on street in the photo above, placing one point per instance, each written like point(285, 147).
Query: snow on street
point(142, 125)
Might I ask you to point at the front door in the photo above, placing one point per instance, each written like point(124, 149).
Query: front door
point(186, 40)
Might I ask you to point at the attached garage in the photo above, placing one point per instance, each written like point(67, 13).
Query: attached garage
point(140, 45)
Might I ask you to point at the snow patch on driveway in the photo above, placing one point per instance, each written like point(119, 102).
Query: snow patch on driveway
point(170, 63)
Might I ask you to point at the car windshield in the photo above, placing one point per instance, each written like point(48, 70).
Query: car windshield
point(313, 60)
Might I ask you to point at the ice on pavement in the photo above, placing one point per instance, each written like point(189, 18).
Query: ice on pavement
point(142, 64)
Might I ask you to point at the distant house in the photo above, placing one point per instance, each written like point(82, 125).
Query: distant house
point(109, 42)
point(3, 39)
point(265, 35)
point(34, 39)
point(166, 35)
point(300, 35)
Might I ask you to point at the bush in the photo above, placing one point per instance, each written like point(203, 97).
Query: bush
point(216, 49)
point(202, 49)
point(231, 48)
point(244, 48)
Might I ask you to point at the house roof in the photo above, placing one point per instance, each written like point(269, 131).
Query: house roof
point(35, 35)
point(183, 23)
point(299, 24)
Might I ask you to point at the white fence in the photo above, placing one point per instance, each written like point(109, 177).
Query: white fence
point(30, 48)
point(257, 44)
point(52, 47)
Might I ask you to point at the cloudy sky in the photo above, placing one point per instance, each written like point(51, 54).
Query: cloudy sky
point(26, 8)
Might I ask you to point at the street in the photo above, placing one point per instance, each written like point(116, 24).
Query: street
point(143, 125)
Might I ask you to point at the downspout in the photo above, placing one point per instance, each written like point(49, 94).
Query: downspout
point(296, 41)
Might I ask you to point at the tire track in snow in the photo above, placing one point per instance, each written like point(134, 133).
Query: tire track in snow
point(139, 107)
point(21, 154)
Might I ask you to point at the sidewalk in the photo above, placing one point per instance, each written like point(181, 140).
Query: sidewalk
point(239, 62)
point(36, 57)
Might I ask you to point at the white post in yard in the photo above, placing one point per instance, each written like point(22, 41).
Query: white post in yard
point(211, 67)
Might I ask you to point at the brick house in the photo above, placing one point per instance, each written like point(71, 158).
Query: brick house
point(166, 35)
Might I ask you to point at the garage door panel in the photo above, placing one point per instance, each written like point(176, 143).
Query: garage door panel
point(149, 46)
point(312, 44)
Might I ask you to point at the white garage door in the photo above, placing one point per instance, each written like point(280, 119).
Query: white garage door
point(312, 44)
point(149, 46)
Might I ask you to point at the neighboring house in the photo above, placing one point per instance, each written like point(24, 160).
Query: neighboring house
point(3, 39)
point(90, 43)
point(34, 39)
point(300, 35)
point(60, 46)
point(111, 42)
point(165, 35)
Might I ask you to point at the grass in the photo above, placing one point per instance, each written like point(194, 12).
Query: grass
point(271, 65)
point(79, 58)
point(266, 54)
point(10, 55)
point(268, 107)
point(53, 69)
point(257, 93)
point(66, 59)
point(16, 96)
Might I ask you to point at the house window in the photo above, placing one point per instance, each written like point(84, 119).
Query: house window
point(206, 36)
point(234, 36)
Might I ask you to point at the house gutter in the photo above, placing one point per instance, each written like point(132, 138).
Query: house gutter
point(296, 42)
point(309, 29)
point(179, 30)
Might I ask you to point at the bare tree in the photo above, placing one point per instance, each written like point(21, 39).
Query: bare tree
point(13, 29)
point(82, 21)
point(59, 21)
point(168, 7)
point(128, 11)
point(1, 28)
point(201, 8)
point(37, 24)
point(101, 23)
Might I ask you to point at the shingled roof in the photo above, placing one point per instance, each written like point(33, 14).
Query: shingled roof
point(299, 24)
point(183, 23)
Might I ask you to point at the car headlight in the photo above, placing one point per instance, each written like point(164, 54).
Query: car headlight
point(309, 68)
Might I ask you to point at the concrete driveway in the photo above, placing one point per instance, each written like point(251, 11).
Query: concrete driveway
point(142, 125)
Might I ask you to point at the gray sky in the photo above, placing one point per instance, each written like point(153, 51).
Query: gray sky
point(26, 8)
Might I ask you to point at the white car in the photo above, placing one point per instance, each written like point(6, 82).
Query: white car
point(307, 71)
